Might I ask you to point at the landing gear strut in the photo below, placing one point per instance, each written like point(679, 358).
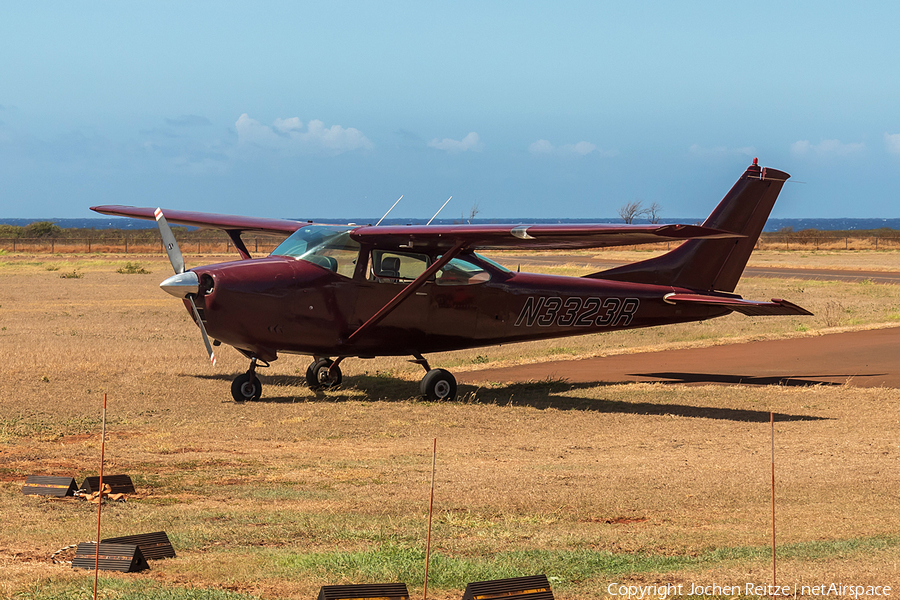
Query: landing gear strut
point(247, 387)
point(438, 384)
point(324, 373)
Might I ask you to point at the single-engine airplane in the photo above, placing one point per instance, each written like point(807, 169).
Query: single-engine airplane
point(365, 291)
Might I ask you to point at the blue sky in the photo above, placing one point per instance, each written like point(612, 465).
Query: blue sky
point(332, 109)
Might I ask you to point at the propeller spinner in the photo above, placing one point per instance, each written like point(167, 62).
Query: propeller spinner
point(183, 284)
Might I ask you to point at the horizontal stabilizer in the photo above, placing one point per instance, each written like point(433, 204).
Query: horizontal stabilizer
point(750, 308)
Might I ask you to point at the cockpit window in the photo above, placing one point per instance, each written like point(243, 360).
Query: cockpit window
point(461, 272)
point(324, 245)
point(389, 266)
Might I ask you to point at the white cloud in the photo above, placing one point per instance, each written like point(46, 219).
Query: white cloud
point(826, 147)
point(541, 147)
point(288, 136)
point(721, 150)
point(892, 142)
point(470, 142)
point(336, 138)
point(288, 125)
point(251, 131)
point(579, 149)
point(800, 147)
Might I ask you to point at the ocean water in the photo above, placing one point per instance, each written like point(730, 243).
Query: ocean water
point(771, 224)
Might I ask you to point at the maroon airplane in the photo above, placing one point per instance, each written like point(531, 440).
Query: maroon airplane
point(343, 291)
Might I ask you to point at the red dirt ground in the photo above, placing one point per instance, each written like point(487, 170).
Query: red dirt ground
point(859, 358)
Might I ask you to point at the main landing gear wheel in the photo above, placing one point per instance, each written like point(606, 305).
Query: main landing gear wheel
point(246, 388)
point(438, 384)
point(321, 375)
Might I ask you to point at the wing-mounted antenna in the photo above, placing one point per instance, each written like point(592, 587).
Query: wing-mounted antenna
point(389, 210)
point(439, 211)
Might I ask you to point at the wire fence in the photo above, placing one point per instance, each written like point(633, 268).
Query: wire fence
point(125, 245)
point(803, 241)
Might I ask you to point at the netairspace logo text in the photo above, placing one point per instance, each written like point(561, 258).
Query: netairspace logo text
point(663, 591)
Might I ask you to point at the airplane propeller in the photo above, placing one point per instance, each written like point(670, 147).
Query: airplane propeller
point(183, 284)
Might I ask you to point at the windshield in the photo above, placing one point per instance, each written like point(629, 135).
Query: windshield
point(309, 238)
point(325, 245)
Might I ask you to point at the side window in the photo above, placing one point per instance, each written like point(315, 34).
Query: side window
point(397, 267)
point(462, 272)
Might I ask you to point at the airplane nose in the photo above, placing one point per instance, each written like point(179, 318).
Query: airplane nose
point(182, 284)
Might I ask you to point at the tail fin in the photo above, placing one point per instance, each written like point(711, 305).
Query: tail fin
point(714, 265)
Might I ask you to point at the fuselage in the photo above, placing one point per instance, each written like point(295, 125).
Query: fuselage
point(285, 304)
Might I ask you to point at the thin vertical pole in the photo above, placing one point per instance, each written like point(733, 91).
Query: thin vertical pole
point(430, 511)
point(100, 499)
point(772, 423)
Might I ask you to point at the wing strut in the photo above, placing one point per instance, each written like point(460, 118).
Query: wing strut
point(417, 283)
point(238, 241)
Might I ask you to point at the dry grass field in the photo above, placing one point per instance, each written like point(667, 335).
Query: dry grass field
point(276, 498)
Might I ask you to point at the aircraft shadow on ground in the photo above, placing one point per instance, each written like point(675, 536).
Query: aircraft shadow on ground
point(541, 395)
point(526, 394)
point(785, 380)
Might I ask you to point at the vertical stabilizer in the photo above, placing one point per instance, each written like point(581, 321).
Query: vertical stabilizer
point(714, 265)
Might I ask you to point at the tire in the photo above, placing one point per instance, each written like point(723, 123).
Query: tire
point(318, 376)
point(438, 385)
point(245, 390)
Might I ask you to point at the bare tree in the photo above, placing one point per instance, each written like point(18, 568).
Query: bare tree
point(631, 210)
point(473, 212)
point(653, 211)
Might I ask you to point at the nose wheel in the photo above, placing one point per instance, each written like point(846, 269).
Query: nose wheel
point(247, 387)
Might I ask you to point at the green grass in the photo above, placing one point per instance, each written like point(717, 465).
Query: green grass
point(131, 268)
point(567, 568)
point(122, 590)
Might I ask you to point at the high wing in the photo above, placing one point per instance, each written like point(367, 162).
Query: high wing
point(443, 237)
point(529, 237)
point(198, 219)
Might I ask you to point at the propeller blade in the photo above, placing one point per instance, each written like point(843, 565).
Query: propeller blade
point(209, 350)
point(182, 284)
point(169, 242)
